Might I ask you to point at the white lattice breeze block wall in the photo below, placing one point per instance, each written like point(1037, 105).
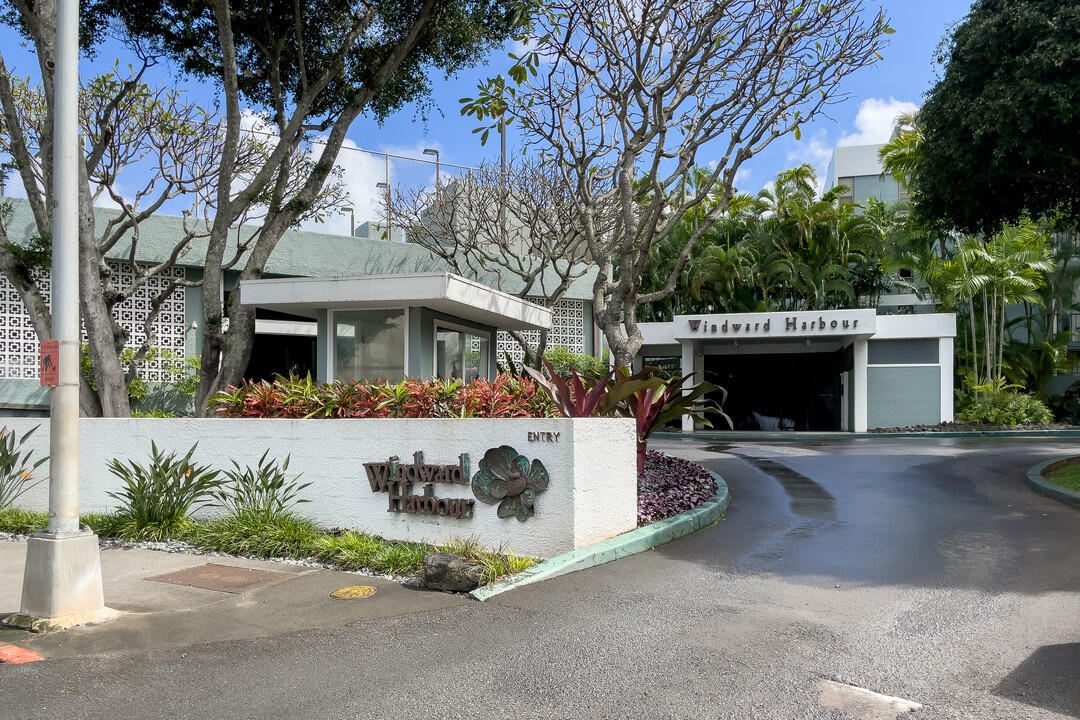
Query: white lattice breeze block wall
point(19, 342)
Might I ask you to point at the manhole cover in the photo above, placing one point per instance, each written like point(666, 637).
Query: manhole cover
point(223, 578)
point(353, 592)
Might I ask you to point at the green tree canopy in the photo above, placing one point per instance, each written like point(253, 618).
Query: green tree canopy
point(1002, 127)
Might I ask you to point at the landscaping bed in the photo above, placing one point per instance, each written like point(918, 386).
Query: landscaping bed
point(667, 487)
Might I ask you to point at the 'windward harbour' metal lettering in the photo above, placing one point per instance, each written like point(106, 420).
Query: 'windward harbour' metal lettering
point(397, 479)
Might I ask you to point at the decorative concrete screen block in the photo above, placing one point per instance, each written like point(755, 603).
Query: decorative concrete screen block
point(19, 342)
point(590, 465)
point(567, 330)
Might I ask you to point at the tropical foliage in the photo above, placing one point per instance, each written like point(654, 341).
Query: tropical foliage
point(16, 467)
point(784, 249)
point(157, 498)
point(789, 248)
point(293, 397)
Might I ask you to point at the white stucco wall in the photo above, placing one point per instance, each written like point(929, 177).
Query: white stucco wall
point(592, 468)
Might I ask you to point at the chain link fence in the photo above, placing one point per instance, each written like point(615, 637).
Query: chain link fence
point(366, 181)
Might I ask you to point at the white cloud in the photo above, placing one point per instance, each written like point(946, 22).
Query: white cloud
point(815, 150)
point(873, 125)
point(875, 120)
point(742, 177)
point(360, 173)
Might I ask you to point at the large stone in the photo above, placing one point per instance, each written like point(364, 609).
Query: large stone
point(451, 573)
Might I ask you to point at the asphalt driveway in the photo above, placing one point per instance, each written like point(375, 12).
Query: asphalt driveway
point(922, 570)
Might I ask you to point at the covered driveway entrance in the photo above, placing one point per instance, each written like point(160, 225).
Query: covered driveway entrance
point(782, 391)
point(831, 370)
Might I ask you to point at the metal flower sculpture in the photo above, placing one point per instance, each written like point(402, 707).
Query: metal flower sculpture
point(507, 478)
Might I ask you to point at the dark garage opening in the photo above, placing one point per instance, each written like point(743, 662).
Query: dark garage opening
point(793, 391)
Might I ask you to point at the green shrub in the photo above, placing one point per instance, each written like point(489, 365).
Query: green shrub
point(157, 499)
point(401, 558)
point(15, 466)
point(1001, 406)
point(263, 492)
point(349, 550)
point(564, 360)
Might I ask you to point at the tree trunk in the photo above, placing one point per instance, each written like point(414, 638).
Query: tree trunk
point(105, 338)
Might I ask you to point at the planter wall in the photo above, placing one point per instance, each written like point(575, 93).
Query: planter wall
point(592, 491)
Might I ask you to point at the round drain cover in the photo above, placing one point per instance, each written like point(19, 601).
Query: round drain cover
point(353, 592)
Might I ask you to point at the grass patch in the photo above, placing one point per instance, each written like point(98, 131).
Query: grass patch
point(256, 535)
point(22, 522)
point(1067, 477)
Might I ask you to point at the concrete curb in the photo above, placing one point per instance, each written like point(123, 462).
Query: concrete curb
point(14, 655)
point(1040, 484)
point(745, 435)
point(629, 543)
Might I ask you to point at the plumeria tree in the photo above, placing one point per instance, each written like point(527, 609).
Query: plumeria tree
point(624, 99)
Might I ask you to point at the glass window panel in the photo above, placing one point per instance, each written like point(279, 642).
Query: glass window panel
point(369, 345)
point(476, 357)
point(459, 354)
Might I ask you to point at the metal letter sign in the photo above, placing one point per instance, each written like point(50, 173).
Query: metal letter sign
point(50, 363)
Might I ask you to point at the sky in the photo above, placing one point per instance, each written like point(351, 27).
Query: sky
point(875, 96)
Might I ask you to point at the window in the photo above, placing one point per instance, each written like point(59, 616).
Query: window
point(369, 345)
point(849, 194)
point(460, 353)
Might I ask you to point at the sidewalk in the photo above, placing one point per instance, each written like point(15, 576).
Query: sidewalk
point(262, 598)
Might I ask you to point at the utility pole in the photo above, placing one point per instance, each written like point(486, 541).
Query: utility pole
point(62, 580)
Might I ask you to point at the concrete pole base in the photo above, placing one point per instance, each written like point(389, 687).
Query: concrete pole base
point(61, 583)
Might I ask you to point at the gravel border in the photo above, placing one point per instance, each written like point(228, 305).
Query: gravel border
point(178, 546)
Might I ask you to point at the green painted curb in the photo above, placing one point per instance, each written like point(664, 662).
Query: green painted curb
point(629, 543)
point(803, 436)
point(1040, 484)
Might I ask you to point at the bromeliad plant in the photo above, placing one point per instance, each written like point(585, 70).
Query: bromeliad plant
point(15, 466)
point(658, 399)
point(576, 396)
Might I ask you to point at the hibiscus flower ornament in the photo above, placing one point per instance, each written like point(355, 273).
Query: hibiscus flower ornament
point(507, 478)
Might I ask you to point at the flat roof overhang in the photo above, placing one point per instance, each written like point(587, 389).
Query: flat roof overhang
point(443, 292)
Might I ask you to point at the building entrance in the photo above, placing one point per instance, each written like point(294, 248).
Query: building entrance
point(792, 391)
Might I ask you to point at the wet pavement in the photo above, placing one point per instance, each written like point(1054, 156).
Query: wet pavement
point(849, 579)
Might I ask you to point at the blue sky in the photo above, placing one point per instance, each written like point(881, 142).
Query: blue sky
point(895, 84)
point(877, 94)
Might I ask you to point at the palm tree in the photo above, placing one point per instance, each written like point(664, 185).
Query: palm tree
point(900, 156)
point(1009, 269)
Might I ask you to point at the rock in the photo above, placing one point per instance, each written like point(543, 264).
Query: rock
point(451, 573)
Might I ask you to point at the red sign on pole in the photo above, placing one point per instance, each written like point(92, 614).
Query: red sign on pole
point(50, 363)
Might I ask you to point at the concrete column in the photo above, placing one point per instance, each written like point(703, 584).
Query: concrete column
point(945, 357)
point(687, 347)
point(858, 385)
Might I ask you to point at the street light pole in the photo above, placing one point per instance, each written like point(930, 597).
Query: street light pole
point(352, 219)
point(62, 579)
point(433, 151)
